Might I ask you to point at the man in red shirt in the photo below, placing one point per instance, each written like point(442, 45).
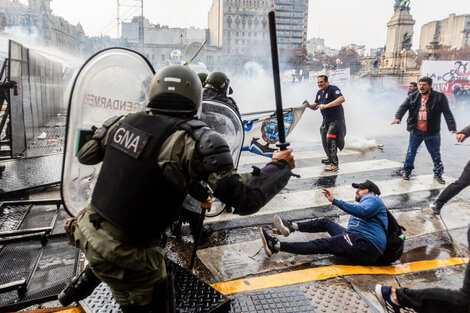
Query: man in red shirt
point(423, 123)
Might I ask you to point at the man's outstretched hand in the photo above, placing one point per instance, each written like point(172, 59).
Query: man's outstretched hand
point(328, 194)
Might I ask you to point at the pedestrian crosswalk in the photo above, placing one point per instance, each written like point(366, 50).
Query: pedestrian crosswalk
point(303, 199)
point(251, 158)
point(310, 197)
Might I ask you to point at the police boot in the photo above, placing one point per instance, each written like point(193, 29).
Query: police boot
point(79, 288)
point(163, 295)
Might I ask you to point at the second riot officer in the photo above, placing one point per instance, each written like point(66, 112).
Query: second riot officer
point(216, 88)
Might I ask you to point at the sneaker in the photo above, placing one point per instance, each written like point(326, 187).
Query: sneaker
point(406, 176)
point(268, 242)
point(325, 161)
point(332, 168)
point(283, 226)
point(440, 180)
point(384, 294)
point(436, 207)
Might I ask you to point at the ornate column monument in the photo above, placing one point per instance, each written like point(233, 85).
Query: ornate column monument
point(398, 54)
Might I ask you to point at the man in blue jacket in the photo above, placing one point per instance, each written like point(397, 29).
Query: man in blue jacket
point(364, 240)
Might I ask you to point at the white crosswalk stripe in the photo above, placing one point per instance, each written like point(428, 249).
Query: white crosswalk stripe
point(251, 158)
point(312, 198)
point(347, 168)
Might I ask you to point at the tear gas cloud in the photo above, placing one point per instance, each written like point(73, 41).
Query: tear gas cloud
point(369, 108)
point(29, 38)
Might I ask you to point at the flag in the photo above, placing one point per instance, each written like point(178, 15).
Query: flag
point(261, 129)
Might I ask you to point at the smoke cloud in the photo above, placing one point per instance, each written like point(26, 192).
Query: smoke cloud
point(369, 108)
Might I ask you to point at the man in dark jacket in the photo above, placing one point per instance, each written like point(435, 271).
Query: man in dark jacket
point(412, 88)
point(423, 123)
point(457, 186)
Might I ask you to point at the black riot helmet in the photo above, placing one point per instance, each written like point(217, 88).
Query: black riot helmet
point(175, 90)
point(218, 81)
point(202, 77)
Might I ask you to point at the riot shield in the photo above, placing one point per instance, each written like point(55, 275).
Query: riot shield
point(112, 82)
point(226, 122)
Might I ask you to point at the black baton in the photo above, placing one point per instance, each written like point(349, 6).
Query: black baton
point(277, 82)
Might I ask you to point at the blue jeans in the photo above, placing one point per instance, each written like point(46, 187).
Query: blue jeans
point(341, 243)
point(433, 144)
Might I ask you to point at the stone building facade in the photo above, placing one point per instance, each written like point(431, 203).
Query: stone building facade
point(241, 26)
point(453, 31)
point(37, 19)
point(163, 45)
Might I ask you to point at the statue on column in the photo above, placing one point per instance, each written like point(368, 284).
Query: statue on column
point(406, 43)
point(401, 5)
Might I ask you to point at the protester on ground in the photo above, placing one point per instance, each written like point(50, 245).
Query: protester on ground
point(424, 124)
point(429, 300)
point(151, 161)
point(364, 240)
point(457, 186)
point(329, 100)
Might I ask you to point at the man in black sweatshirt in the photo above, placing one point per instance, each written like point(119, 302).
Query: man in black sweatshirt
point(457, 186)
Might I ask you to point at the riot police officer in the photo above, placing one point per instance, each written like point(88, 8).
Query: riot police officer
point(151, 161)
point(202, 77)
point(216, 88)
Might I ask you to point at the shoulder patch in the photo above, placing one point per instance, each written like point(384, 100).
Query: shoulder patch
point(129, 140)
point(337, 91)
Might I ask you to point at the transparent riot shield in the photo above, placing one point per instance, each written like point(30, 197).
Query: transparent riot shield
point(112, 82)
point(226, 122)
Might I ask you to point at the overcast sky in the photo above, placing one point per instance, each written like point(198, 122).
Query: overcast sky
point(339, 22)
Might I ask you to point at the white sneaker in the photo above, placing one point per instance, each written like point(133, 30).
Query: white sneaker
point(332, 168)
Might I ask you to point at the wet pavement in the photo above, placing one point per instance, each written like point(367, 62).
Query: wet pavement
point(233, 261)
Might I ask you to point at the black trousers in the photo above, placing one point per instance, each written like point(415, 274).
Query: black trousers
point(438, 300)
point(332, 137)
point(456, 187)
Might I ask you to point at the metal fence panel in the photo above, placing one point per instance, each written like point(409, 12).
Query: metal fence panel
point(41, 84)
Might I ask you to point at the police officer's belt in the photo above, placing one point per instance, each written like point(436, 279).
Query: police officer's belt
point(99, 222)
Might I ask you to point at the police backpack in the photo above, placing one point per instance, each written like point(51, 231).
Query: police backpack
point(395, 240)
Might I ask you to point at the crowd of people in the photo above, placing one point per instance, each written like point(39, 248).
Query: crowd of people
point(140, 190)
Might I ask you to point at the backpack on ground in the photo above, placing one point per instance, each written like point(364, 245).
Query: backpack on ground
point(395, 240)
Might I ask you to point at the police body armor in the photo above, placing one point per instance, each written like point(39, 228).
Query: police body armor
point(131, 191)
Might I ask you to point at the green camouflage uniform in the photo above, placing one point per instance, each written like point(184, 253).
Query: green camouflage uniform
point(131, 269)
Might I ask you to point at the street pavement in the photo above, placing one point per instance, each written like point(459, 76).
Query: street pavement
point(235, 263)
